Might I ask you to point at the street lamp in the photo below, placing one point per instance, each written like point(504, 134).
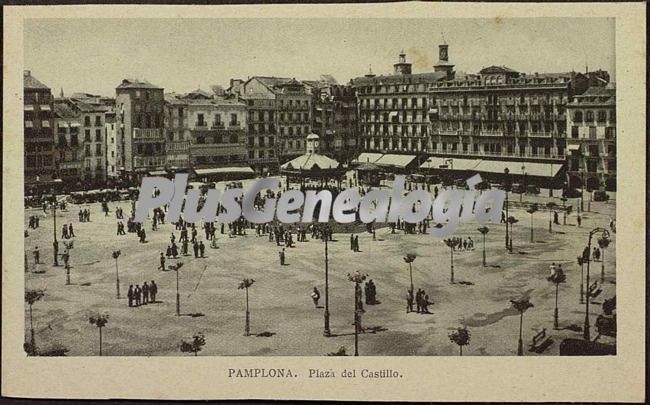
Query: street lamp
point(55, 244)
point(603, 243)
point(116, 254)
point(564, 199)
point(581, 263)
point(605, 235)
point(506, 187)
point(357, 279)
point(523, 173)
point(451, 244)
point(484, 230)
point(326, 331)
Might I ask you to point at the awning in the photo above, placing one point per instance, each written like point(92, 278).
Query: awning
point(157, 173)
point(45, 107)
point(29, 107)
point(573, 147)
point(400, 161)
point(433, 163)
point(74, 124)
point(28, 124)
point(224, 170)
point(368, 157)
point(461, 164)
point(515, 168)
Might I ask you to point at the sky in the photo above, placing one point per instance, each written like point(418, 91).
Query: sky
point(94, 55)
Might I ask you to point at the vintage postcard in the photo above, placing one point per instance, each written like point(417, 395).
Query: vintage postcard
point(406, 201)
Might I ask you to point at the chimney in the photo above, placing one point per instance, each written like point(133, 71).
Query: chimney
point(27, 73)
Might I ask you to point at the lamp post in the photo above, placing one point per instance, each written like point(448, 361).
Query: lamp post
point(582, 190)
point(326, 330)
point(55, 244)
point(484, 230)
point(116, 254)
point(506, 187)
point(604, 234)
point(523, 173)
point(551, 205)
point(603, 243)
point(357, 279)
point(521, 305)
point(581, 263)
point(563, 209)
point(511, 221)
point(451, 244)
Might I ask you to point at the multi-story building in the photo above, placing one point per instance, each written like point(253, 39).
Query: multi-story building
point(394, 109)
point(217, 129)
point(177, 144)
point(591, 139)
point(39, 138)
point(93, 132)
point(291, 114)
point(139, 109)
point(110, 131)
point(69, 152)
point(334, 118)
point(262, 132)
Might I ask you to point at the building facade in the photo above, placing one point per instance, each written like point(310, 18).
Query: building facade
point(334, 119)
point(393, 110)
point(38, 107)
point(69, 153)
point(591, 139)
point(262, 146)
point(139, 109)
point(177, 145)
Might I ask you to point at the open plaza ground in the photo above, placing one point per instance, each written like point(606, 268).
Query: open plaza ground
point(284, 320)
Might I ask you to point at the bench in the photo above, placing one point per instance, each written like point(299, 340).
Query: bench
point(540, 342)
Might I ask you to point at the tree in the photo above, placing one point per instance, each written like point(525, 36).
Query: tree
point(116, 254)
point(31, 296)
point(461, 337)
point(521, 305)
point(244, 285)
point(533, 209)
point(451, 244)
point(99, 320)
point(194, 345)
point(410, 258)
point(557, 278)
point(484, 230)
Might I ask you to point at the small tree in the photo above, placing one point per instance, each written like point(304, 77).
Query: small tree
point(194, 345)
point(31, 296)
point(99, 320)
point(484, 230)
point(533, 209)
point(410, 258)
point(461, 337)
point(244, 285)
point(557, 278)
point(521, 305)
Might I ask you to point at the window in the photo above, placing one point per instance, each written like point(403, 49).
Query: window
point(87, 149)
point(200, 140)
point(98, 149)
point(87, 120)
point(233, 119)
point(589, 116)
point(87, 135)
point(233, 138)
point(98, 135)
point(602, 116)
point(74, 140)
point(592, 132)
point(200, 120)
point(251, 142)
point(574, 131)
point(251, 154)
point(261, 141)
point(98, 121)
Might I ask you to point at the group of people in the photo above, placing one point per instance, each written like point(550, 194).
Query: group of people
point(354, 243)
point(33, 221)
point(142, 296)
point(67, 231)
point(421, 301)
point(459, 243)
point(370, 290)
point(84, 215)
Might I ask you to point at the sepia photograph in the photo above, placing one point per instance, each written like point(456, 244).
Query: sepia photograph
point(284, 187)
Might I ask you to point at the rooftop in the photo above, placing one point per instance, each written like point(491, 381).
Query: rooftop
point(137, 84)
point(30, 82)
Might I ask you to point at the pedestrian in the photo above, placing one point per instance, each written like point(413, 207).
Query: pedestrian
point(579, 219)
point(356, 243)
point(552, 269)
point(131, 295)
point(315, 295)
point(282, 257)
point(202, 248)
point(153, 290)
point(71, 231)
point(409, 301)
point(556, 218)
point(196, 249)
point(352, 242)
point(145, 293)
point(137, 292)
point(37, 256)
point(162, 261)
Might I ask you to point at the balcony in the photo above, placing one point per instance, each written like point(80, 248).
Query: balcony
point(540, 134)
point(151, 134)
point(217, 125)
point(491, 133)
point(201, 124)
point(447, 132)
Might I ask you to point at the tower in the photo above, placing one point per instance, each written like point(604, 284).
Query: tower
point(402, 67)
point(443, 64)
point(313, 143)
